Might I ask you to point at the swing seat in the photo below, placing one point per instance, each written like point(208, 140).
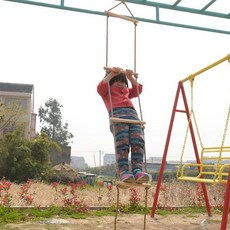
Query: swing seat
point(213, 167)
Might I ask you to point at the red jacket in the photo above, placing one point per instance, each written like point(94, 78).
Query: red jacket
point(120, 96)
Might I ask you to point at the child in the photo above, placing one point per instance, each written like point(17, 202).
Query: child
point(128, 136)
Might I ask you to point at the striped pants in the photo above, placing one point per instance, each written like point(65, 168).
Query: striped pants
point(128, 137)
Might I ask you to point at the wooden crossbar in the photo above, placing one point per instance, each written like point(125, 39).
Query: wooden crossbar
point(124, 185)
point(121, 71)
point(109, 13)
point(121, 120)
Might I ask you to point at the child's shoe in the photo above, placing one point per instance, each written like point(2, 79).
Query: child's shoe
point(127, 177)
point(141, 177)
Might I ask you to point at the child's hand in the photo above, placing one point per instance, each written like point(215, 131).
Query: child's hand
point(129, 72)
point(116, 70)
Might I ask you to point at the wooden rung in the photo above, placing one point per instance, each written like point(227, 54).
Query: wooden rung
point(115, 119)
point(121, 71)
point(124, 185)
point(109, 13)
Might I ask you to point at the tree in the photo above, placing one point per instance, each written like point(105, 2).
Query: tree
point(51, 122)
point(22, 159)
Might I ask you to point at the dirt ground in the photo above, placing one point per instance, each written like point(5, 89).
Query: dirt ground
point(125, 221)
point(175, 194)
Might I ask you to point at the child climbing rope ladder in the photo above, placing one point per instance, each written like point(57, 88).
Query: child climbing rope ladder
point(125, 125)
point(127, 129)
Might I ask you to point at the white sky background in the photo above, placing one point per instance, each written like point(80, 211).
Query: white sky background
point(63, 54)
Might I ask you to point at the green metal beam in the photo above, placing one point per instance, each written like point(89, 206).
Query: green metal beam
point(60, 7)
point(158, 6)
point(209, 4)
point(175, 7)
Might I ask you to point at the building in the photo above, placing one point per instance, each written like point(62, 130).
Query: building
point(20, 97)
point(78, 162)
point(60, 157)
point(154, 160)
point(108, 159)
point(153, 164)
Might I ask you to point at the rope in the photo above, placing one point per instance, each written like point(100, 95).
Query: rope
point(117, 208)
point(107, 40)
point(127, 8)
point(146, 206)
point(122, 2)
point(110, 97)
point(116, 5)
point(139, 100)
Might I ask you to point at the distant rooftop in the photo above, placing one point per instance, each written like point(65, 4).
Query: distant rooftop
point(16, 87)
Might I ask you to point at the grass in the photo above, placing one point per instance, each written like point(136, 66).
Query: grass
point(15, 215)
point(179, 211)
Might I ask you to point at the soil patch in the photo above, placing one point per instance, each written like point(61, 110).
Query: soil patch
point(125, 221)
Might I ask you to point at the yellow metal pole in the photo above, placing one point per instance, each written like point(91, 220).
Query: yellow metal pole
point(192, 76)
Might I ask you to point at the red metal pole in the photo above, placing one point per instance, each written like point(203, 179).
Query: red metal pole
point(174, 110)
point(208, 206)
point(165, 152)
point(226, 205)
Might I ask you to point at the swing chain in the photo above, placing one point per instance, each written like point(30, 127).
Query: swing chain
point(191, 115)
point(183, 148)
point(225, 128)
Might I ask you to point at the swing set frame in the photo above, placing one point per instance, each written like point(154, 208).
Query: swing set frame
point(181, 90)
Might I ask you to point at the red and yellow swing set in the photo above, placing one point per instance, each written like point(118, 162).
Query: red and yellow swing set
point(217, 172)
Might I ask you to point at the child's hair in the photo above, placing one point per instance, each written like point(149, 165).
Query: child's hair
point(120, 77)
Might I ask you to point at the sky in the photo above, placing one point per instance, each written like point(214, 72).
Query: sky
point(63, 53)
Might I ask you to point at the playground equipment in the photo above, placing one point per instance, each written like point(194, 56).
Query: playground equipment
point(174, 7)
point(158, 8)
point(219, 172)
point(214, 161)
point(113, 120)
